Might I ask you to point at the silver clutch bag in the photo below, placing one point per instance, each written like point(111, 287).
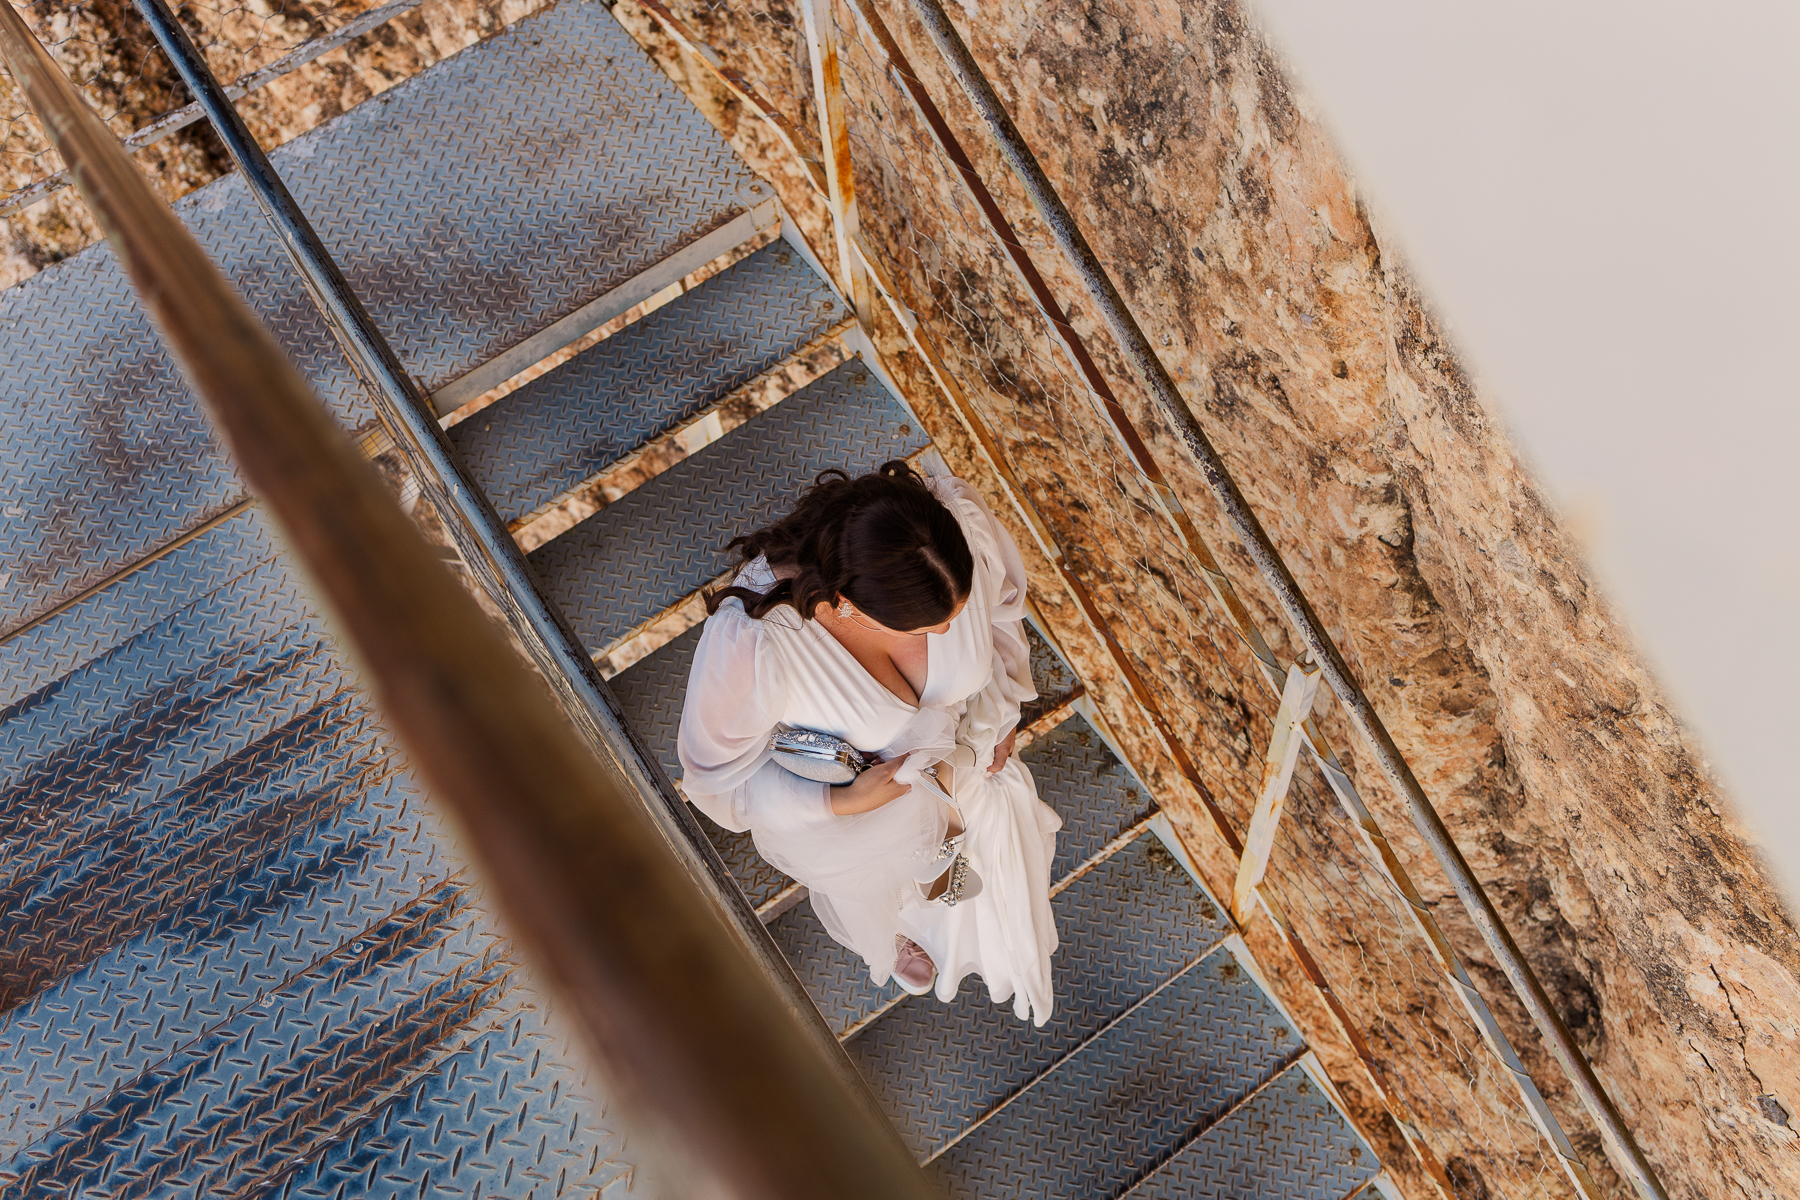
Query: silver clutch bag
point(813, 755)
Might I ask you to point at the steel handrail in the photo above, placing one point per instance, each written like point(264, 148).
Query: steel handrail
point(1160, 386)
point(743, 1094)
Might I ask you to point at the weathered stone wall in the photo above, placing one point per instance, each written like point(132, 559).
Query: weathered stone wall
point(1220, 206)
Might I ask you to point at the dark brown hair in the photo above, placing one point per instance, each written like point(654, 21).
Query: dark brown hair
point(882, 541)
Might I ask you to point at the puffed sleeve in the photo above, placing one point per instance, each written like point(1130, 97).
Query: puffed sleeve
point(993, 712)
point(736, 690)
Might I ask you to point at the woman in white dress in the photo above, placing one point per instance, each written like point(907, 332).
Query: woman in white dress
point(888, 611)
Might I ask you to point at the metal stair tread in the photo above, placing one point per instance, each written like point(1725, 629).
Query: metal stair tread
point(572, 422)
point(650, 692)
point(664, 539)
point(1289, 1141)
point(474, 233)
point(1131, 1096)
point(1128, 926)
point(61, 643)
point(234, 924)
point(1054, 678)
point(1096, 795)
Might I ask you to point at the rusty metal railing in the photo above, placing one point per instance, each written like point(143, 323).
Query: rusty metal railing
point(745, 1096)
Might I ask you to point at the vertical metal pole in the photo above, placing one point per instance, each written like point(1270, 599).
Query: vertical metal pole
point(1161, 388)
point(834, 130)
point(489, 550)
point(1278, 771)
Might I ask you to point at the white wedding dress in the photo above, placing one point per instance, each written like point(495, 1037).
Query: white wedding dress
point(751, 676)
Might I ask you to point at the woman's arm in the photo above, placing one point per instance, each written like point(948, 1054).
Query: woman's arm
point(996, 706)
point(736, 693)
point(870, 790)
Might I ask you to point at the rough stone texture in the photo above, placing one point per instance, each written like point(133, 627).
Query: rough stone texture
point(1578, 795)
point(1215, 198)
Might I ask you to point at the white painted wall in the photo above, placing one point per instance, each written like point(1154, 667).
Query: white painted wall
point(1603, 199)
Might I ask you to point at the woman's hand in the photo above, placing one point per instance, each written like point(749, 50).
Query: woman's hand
point(870, 790)
point(1003, 751)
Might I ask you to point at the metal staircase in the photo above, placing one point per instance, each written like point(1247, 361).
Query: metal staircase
point(238, 951)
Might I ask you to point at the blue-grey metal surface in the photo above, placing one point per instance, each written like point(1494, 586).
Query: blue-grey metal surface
point(1127, 927)
point(580, 166)
point(1288, 1142)
point(661, 541)
point(574, 421)
point(836, 979)
point(1056, 680)
point(81, 632)
point(237, 950)
point(1096, 795)
point(1111, 1112)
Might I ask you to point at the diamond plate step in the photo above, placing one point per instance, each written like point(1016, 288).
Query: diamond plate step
point(237, 950)
point(581, 166)
point(1107, 1115)
point(1096, 795)
point(663, 540)
point(1126, 927)
point(1055, 679)
point(569, 424)
point(1288, 1141)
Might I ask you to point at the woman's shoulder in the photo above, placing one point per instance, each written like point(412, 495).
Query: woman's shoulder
point(752, 650)
point(969, 509)
point(755, 576)
point(958, 495)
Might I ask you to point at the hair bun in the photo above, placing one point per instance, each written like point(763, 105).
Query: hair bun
point(882, 540)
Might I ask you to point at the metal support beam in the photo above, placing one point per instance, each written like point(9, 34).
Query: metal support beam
point(834, 131)
point(1162, 390)
point(1278, 771)
point(734, 81)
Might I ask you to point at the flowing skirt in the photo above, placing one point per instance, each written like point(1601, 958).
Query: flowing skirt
point(861, 873)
